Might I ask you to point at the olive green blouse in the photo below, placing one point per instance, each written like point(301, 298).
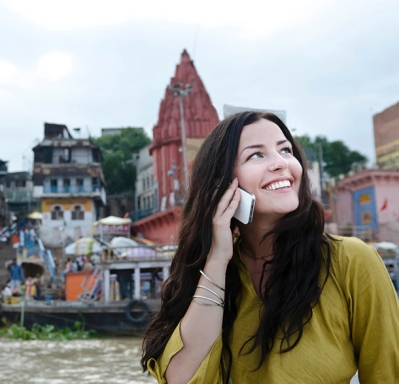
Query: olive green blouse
point(355, 326)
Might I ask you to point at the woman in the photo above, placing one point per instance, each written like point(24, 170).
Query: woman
point(279, 301)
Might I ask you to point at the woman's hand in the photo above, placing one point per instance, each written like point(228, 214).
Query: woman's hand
point(222, 242)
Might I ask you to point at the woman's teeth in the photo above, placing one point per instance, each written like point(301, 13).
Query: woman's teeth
point(278, 185)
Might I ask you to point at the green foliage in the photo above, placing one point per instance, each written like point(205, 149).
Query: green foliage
point(47, 332)
point(117, 151)
point(337, 157)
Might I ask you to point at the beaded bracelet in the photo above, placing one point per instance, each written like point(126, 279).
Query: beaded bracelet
point(205, 304)
point(209, 299)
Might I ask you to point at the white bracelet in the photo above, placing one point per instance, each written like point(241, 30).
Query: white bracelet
point(211, 291)
point(209, 279)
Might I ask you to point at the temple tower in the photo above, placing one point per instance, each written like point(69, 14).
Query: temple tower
point(167, 149)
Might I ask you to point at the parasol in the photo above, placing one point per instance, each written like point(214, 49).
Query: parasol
point(83, 246)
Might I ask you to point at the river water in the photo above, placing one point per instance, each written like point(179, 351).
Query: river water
point(77, 361)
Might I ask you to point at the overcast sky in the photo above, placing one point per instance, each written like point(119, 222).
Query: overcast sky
point(94, 64)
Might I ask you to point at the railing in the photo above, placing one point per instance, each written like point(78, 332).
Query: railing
point(142, 213)
point(19, 196)
point(47, 259)
point(71, 189)
point(12, 229)
point(139, 252)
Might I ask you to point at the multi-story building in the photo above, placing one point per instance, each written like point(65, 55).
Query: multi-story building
point(19, 194)
point(69, 182)
point(368, 205)
point(386, 137)
point(146, 188)
point(3, 200)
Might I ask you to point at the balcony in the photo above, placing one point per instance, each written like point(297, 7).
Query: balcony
point(19, 196)
point(141, 214)
point(73, 189)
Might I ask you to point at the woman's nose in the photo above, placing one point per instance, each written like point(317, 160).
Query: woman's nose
point(278, 165)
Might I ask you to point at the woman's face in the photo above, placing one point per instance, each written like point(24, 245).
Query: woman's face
point(266, 167)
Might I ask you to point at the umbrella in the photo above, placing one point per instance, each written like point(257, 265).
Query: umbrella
point(83, 246)
point(35, 216)
point(120, 241)
point(387, 249)
point(113, 220)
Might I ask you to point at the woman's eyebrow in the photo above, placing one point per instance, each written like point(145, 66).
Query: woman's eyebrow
point(262, 146)
point(252, 147)
point(281, 141)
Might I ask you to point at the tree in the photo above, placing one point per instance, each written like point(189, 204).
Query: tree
point(117, 151)
point(337, 157)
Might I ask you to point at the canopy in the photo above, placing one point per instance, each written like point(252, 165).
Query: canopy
point(35, 216)
point(120, 241)
point(386, 249)
point(83, 246)
point(112, 220)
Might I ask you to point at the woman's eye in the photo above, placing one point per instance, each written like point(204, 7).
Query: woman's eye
point(255, 155)
point(287, 150)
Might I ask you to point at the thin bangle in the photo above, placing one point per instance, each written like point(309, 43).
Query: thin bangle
point(205, 304)
point(208, 298)
point(209, 279)
point(211, 291)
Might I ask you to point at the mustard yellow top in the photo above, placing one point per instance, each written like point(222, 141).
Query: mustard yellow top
point(355, 326)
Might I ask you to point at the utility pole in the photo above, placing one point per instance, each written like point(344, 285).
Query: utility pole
point(180, 91)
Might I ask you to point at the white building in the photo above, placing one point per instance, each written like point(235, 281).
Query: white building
point(69, 182)
point(146, 189)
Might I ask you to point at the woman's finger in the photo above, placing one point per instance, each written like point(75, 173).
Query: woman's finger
point(229, 200)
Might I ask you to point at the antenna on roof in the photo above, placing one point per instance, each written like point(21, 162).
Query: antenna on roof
point(195, 41)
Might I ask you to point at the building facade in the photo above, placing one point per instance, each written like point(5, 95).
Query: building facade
point(368, 205)
point(386, 137)
point(69, 182)
point(19, 194)
point(3, 200)
point(146, 188)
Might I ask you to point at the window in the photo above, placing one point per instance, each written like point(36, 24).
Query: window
point(53, 185)
point(79, 184)
point(67, 185)
point(65, 156)
point(57, 212)
point(95, 182)
point(20, 183)
point(77, 212)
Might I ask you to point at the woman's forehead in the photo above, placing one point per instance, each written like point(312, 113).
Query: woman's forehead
point(262, 130)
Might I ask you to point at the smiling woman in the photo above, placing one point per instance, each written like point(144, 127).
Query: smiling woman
point(277, 300)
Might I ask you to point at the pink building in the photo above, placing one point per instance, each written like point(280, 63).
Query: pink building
point(368, 202)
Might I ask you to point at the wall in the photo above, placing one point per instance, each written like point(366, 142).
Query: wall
point(52, 232)
point(161, 227)
point(386, 137)
point(374, 191)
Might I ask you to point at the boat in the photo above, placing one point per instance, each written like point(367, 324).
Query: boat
point(117, 318)
point(96, 304)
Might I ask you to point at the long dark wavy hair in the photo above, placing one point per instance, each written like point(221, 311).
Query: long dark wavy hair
point(300, 251)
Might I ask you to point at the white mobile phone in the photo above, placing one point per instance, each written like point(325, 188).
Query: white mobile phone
point(245, 209)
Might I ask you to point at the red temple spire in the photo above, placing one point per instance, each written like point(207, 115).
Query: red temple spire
point(200, 117)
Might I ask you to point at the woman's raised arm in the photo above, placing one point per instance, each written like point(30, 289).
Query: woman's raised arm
point(202, 323)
